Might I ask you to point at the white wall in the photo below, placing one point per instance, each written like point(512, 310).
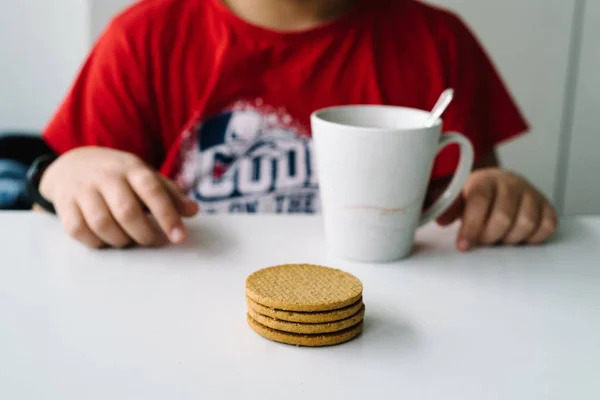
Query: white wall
point(529, 42)
point(102, 11)
point(42, 46)
point(582, 194)
point(42, 43)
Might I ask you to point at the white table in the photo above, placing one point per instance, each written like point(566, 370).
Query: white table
point(508, 324)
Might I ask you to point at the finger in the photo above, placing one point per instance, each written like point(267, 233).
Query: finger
point(547, 227)
point(527, 220)
point(454, 212)
point(503, 213)
point(478, 201)
point(127, 210)
point(153, 193)
point(75, 225)
point(186, 206)
point(100, 220)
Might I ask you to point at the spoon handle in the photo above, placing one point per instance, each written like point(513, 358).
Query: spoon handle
point(439, 108)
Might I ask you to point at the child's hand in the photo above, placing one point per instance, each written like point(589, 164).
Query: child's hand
point(101, 196)
point(498, 206)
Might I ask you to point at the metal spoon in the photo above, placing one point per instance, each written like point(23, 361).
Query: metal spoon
point(439, 108)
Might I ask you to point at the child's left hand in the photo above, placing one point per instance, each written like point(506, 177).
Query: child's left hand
point(498, 206)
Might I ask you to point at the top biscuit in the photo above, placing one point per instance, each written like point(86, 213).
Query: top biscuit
point(303, 287)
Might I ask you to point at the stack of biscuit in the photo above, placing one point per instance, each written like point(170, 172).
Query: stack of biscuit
point(305, 305)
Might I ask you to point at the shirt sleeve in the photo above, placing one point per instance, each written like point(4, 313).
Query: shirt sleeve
point(110, 102)
point(483, 109)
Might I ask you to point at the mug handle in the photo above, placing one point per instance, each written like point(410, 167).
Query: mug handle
point(458, 181)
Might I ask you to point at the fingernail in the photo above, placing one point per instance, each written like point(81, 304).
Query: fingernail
point(177, 235)
point(464, 244)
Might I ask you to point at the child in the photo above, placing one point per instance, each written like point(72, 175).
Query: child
point(216, 95)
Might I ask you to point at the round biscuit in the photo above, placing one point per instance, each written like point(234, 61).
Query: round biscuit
point(319, 340)
point(305, 317)
point(303, 287)
point(308, 329)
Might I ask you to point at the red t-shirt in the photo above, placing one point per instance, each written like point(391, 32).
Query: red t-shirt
point(222, 106)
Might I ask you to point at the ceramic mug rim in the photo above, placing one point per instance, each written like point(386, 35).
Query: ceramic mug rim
point(318, 115)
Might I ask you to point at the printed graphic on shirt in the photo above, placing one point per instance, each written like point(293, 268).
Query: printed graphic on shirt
point(252, 159)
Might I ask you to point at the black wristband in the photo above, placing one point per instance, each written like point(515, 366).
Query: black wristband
point(34, 176)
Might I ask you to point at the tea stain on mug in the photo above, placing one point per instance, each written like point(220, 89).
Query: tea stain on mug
point(384, 212)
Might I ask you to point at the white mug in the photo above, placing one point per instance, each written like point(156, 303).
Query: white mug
point(374, 164)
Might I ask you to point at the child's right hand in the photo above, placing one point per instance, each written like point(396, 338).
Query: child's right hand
point(101, 196)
